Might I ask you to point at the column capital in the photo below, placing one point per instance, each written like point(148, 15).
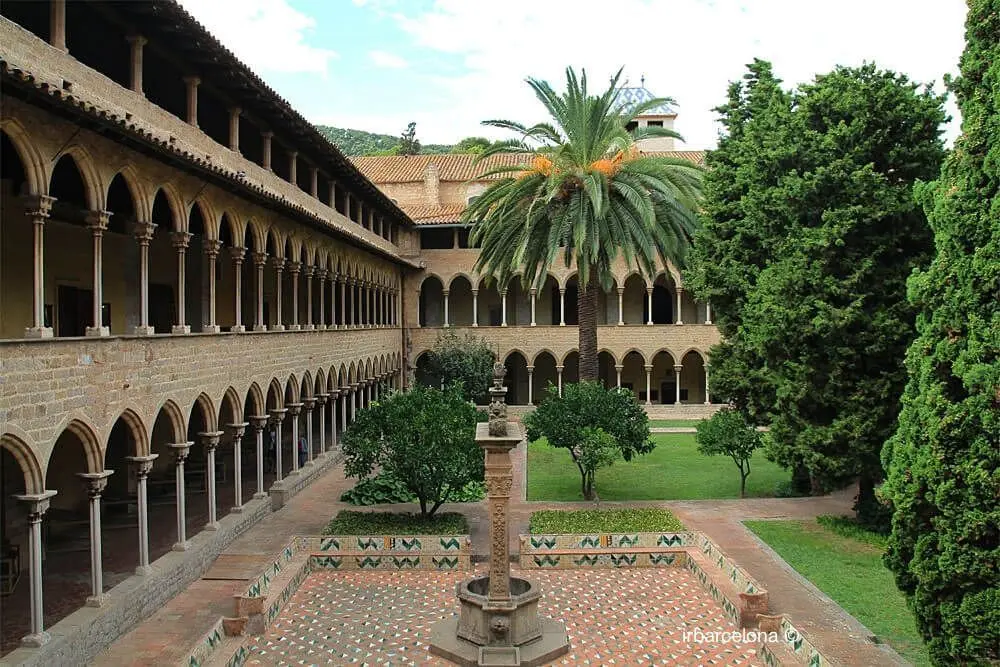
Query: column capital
point(143, 464)
point(308, 404)
point(475, 292)
point(238, 429)
point(295, 409)
point(235, 110)
point(95, 482)
point(137, 40)
point(37, 206)
point(678, 368)
point(649, 368)
point(530, 369)
point(260, 259)
point(621, 289)
point(278, 415)
point(559, 369)
point(562, 290)
point(533, 291)
point(267, 134)
point(210, 439)
point(293, 266)
point(322, 398)
point(619, 367)
point(97, 221)
point(212, 247)
point(279, 263)
point(649, 289)
point(237, 253)
point(180, 239)
point(322, 273)
point(192, 80)
point(308, 270)
point(38, 503)
point(334, 393)
point(143, 231)
point(180, 450)
point(258, 422)
point(446, 292)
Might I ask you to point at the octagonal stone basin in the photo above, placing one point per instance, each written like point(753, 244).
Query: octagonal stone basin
point(504, 623)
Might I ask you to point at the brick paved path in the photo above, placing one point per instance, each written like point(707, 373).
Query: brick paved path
point(165, 638)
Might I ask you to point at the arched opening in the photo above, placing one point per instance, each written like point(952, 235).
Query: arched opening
point(121, 276)
point(69, 294)
point(490, 308)
point(634, 309)
point(518, 303)
point(287, 289)
point(606, 369)
point(422, 374)
point(163, 293)
point(634, 374)
point(571, 368)
point(663, 308)
point(692, 378)
point(120, 502)
point(516, 380)
point(168, 428)
point(544, 377)
point(275, 401)
point(607, 305)
point(198, 278)
point(16, 240)
point(226, 274)
point(432, 302)
point(271, 246)
point(249, 287)
point(548, 294)
point(253, 406)
point(288, 444)
point(15, 601)
point(196, 479)
point(572, 301)
point(664, 379)
point(230, 423)
point(460, 302)
point(303, 258)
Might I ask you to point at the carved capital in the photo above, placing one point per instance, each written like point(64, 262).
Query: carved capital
point(259, 422)
point(38, 504)
point(180, 450)
point(293, 267)
point(180, 240)
point(97, 221)
point(210, 439)
point(95, 482)
point(212, 248)
point(238, 429)
point(295, 409)
point(38, 207)
point(278, 263)
point(143, 464)
point(143, 231)
point(260, 259)
point(278, 415)
point(237, 253)
point(308, 404)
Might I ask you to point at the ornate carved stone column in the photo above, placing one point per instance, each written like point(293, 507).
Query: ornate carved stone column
point(95, 483)
point(260, 261)
point(211, 248)
point(259, 423)
point(278, 416)
point(334, 402)
point(618, 373)
point(181, 451)
point(562, 306)
point(475, 308)
point(143, 232)
point(293, 270)
point(143, 466)
point(210, 441)
point(38, 505)
point(680, 317)
point(237, 429)
point(321, 275)
point(534, 298)
point(181, 241)
point(677, 376)
point(294, 410)
point(621, 310)
point(531, 384)
point(308, 273)
point(649, 376)
point(308, 404)
point(354, 399)
point(279, 267)
point(446, 300)
point(503, 307)
point(97, 223)
point(649, 306)
point(559, 371)
point(36, 209)
point(321, 402)
point(237, 255)
point(345, 395)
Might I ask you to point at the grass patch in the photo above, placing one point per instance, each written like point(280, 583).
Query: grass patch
point(850, 571)
point(351, 522)
point(846, 526)
point(674, 423)
point(673, 471)
point(646, 520)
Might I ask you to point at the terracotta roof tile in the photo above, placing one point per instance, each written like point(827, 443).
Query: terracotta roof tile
point(425, 214)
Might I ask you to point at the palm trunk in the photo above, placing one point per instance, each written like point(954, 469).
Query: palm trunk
point(586, 302)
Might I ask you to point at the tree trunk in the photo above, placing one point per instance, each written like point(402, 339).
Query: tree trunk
point(588, 486)
point(587, 312)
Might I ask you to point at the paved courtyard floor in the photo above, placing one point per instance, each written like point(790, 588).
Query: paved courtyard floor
point(613, 617)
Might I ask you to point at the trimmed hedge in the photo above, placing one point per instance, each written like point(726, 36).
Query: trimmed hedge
point(646, 520)
point(351, 522)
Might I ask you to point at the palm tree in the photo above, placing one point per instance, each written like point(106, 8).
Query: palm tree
point(588, 195)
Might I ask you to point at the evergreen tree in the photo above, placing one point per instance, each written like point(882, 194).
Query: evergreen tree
point(943, 463)
point(408, 142)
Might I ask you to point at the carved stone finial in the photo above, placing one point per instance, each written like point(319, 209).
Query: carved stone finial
point(498, 406)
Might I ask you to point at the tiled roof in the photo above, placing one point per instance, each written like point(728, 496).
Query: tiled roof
point(458, 167)
point(435, 215)
point(631, 97)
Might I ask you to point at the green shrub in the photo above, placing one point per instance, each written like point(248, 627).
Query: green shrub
point(646, 520)
point(787, 488)
point(727, 432)
point(352, 522)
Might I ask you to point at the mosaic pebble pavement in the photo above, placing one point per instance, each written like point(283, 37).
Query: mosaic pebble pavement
point(613, 617)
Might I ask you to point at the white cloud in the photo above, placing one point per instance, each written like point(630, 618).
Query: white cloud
point(267, 35)
point(687, 49)
point(387, 60)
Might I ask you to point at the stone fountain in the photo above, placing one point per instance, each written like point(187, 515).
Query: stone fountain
point(498, 622)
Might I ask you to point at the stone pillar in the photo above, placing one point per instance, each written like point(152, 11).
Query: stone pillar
point(314, 182)
point(308, 404)
point(621, 309)
point(37, 209)
point(38, 504)
point(321, 402)
point(308, 273)
point(531, 384)
point(57, 24)
point(708, 398)
point(354, 303)
point(259, 423)
point(345, 393)
point(446, 300)
point(265, 138)
point(294, 410)
point(559, 370)
point(334, 395)
point(237, 255)
point(677, 376)
point(293, 269)
point(143, 466)
point(260, 261)
point(143, 232)
point(181, 240)
point(618, 373)
point(279, 267)
point(181, 451)
point(562, 306)
point(503, 308)
point(192, 82)
point(534, 298)
point(649, 377)
point(94, 483)
point(293, 164)
point(212, 248)
point(210, 440)
point(321, 275)
point(135, 78)
point(475, 308)
point(238, 429)
point(680, 293)
point(708, 312)
point(354, 400)
point(278, 416)
point(342, 284)
point(649, 306)
point(97, 223)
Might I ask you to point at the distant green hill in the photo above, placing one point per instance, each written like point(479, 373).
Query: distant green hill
point(359, 142)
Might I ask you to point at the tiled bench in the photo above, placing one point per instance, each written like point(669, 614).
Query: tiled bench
point(381, 552)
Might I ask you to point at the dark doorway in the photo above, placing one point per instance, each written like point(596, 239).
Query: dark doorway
point(161, 307)
point(75, 305)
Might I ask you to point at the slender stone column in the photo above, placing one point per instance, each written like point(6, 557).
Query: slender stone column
point(143, 232)
point(279, 267)
point(293, 269)
point(475, 308)
point(37, 209)
point(680, 293)
point(345, 395)
point(354, 400)
point(649, 377)
point(293, 167)
point(531, 385)
point(559, 370)
point(308, 405)
point(649, 306)
point(314, 182)
point(278, 416)
point(308, 273)
point(503, 308)
point(38, 504)
point(708, 312)
point(342, 287)
point(237, 255)
point(618, 373)
point(621, 310)
point(708, 399)
point(143, 466)
point(677, 376)
point(534, 298)
point(95, 482)
point(181, 451)
point(57, 24)
point(97, 223)
point(265, 138)
point(321, 402)
point(321, 275)
point(234, 129)
point(260, 261)
point(259, 423)
point(334, 402)
point(354, 302)
point(294, 410)
point(210, 440)
point(181, 241)
point(191, 83)
point(446, 300)
point(212, 248)
point(562, 306)
point(136, 42)
point(238, 429)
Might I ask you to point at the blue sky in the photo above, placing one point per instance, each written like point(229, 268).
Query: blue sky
point(448, 64)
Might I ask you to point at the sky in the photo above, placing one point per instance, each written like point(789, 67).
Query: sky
point(447, 65)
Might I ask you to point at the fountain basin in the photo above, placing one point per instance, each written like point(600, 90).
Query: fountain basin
point(498, 623)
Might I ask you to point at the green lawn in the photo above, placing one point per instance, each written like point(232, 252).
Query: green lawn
point(673, 471)
point(671, 423)
point(850, 571)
